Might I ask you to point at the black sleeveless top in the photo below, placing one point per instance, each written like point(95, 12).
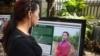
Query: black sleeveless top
point(20, 44)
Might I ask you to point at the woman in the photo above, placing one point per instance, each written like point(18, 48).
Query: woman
point(64, 46)
point(16, 39)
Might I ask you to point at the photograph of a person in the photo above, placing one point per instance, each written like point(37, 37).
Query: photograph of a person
point(64, 46)
point(65, 41)
point(3, 20)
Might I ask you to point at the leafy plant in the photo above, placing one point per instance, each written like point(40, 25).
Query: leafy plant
point(90, 43)
point(57, 38)
point(74, 40)
point(73, 6)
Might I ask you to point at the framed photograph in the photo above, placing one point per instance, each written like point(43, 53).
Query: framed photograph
point(3, 18)
point(60, 36)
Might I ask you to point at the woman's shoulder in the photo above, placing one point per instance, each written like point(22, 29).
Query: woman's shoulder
point(16, 36)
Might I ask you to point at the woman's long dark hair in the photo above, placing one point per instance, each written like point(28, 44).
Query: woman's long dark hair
point(21, 9)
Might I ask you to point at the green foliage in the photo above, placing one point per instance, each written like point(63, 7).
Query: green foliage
point(89, 41)
point(74, 40)
point(57, 38)
point(63, 13)
point(73, 6)
point(89, 17)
